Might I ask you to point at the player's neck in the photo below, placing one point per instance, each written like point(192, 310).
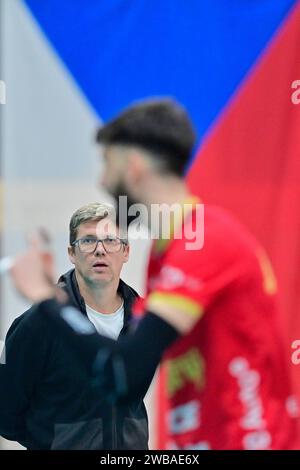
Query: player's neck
point(166, 190)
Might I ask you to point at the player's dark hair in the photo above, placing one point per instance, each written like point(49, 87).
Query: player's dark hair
point(160, 126)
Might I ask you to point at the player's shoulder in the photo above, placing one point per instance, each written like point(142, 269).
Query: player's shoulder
point(221, 224)
point(217, 216)
point(212, 231)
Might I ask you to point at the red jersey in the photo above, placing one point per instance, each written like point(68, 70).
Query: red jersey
point(227, 380)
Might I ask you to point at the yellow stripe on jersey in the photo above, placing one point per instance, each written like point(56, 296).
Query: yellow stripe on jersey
point(156, 300)
point(270, 281)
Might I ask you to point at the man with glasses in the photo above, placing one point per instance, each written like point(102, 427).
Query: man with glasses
point(47, 400)
point(98, 255)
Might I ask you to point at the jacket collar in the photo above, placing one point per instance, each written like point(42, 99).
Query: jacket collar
point(68, 283)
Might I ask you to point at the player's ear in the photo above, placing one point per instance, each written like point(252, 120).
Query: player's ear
point(136, 166)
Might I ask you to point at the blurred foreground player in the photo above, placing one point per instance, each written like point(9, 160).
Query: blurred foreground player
point(210, 310)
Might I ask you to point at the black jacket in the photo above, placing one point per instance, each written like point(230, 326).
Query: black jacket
point(46, 398)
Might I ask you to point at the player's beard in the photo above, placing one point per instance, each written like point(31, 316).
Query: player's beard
point(122, 218)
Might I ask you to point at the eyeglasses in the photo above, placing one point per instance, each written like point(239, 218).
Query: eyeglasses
point(90, 244)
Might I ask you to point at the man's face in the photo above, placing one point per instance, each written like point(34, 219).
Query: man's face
point(99, 267)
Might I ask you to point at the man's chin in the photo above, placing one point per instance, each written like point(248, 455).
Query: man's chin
point(99, 279)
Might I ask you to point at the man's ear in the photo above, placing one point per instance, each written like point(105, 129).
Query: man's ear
point(71, 254)
point(136, 166)
point(126, 253)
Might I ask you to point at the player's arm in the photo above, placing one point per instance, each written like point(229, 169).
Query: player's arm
point(178, 316)
point(122, 369)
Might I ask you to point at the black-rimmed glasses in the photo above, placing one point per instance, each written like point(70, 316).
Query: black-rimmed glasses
point(90, 244)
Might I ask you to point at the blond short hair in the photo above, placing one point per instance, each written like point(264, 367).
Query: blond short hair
point(93, 211)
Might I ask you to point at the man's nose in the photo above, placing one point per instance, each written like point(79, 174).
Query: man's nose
point(99, 249)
